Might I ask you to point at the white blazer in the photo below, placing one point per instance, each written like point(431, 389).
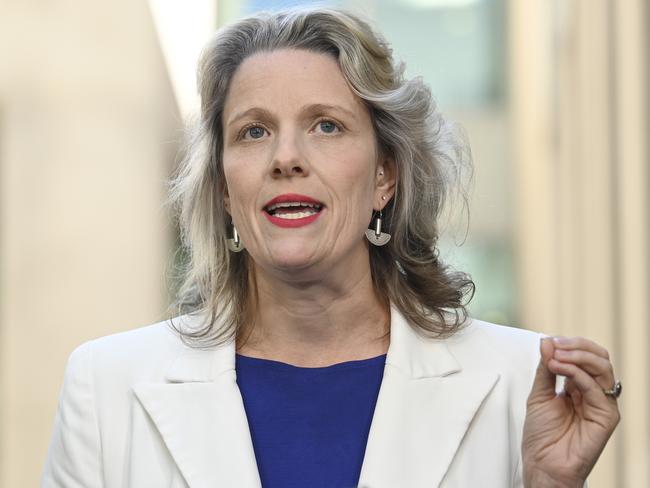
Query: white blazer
point(140, 409)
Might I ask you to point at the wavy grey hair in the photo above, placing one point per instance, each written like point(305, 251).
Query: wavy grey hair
point(429, 152)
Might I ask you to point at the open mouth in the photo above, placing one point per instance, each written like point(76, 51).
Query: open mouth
point(293, 210)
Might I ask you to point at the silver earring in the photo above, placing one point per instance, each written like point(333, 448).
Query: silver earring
point(234, 244)
point(376, 236)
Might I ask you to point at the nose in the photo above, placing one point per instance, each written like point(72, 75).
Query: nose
point(288, 159)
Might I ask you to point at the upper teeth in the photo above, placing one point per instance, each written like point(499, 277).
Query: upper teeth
point(292, 204)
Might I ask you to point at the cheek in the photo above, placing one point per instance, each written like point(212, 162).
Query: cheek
point(357, 176)
point(240, 184)
point(354, 187)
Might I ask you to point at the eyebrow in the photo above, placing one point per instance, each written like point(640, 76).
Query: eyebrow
point(322, 107)
point(309, 109)
point(255, 111)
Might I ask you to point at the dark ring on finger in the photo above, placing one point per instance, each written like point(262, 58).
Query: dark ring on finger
point(615, 392)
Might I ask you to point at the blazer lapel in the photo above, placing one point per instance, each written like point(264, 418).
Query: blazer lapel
point(200, 415)
point(426, 403)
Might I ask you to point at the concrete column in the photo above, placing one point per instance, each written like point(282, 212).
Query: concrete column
point(631, 24)
point(88, 132)
point(580, 112)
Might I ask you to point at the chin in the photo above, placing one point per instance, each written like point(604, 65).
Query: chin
point(290, 257)
point(292, 262)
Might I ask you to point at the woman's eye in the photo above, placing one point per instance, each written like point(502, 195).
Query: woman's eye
point(327, 126)
point(254, 132)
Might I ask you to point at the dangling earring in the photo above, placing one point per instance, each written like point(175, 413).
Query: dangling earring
point(234, 244)
point(376, 236)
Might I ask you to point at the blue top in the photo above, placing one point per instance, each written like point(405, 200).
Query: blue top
point(309, 426)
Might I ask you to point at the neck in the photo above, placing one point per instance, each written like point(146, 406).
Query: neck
point(308, 322)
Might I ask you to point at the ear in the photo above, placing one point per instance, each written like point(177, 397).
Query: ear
point(385, 181)
point(226, 203)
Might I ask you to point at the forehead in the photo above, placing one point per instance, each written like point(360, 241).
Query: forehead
point(286, 79)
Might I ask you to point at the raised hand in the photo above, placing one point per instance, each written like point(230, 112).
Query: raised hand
point(565, 433)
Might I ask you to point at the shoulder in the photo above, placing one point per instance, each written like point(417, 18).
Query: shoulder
point(511, 350)
point(478, 335)
point(144, 353)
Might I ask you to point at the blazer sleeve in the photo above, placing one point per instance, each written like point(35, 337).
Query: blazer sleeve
point(74, 456)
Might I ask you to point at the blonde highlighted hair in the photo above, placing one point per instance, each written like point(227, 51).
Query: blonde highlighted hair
point(430, 155)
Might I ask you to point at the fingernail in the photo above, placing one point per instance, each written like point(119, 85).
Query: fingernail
point(560, 340)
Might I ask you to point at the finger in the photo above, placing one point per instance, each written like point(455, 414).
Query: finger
point(574, 392)
point(589, 389)
point(598, 367)
point(544, 382)
point(580, 343)
point(570, 386)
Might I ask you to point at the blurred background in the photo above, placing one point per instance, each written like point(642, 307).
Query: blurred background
point(553, 95)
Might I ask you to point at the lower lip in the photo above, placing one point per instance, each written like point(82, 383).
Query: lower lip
point(291, 223)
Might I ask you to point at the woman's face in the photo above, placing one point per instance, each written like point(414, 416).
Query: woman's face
point(301, 163)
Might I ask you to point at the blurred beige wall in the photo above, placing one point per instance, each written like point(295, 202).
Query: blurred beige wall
point(579, 77)
point(88, 131)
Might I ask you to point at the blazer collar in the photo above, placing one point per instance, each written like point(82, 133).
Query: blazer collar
point(200, 365)
point(425, 405)
point(413, 354)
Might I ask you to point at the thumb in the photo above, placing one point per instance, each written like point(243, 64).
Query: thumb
point(544, 382)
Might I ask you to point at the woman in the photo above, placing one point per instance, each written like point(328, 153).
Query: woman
point(323, 341)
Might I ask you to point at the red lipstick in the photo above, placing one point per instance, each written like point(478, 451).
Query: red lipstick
point(280, 205)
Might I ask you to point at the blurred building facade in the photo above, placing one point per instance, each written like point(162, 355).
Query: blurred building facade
point(88, 121)
point(579, 91)
point(552, 94)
